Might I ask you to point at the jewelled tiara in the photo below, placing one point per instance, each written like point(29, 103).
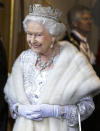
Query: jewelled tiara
point(47, 12)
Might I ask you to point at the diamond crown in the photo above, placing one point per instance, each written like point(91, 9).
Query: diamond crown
point(48, 12)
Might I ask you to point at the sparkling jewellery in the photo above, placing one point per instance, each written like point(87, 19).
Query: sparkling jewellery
point(47, 12)
point(45, 64)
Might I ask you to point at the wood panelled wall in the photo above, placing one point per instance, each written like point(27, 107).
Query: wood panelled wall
point(5, 24)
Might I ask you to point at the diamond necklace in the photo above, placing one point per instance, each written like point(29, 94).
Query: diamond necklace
point(45, 64)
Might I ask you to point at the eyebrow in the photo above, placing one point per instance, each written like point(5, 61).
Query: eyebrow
point(34, 32)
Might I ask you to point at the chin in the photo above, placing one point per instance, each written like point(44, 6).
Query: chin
point(88, 31)
point(38, 51)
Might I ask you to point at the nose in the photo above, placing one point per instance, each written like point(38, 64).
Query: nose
point(32, 39)
point(90, 21)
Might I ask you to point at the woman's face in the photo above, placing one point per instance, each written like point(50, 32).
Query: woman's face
point(38, 38)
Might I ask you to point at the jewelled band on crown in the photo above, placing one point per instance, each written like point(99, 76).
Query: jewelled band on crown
point(47, 12)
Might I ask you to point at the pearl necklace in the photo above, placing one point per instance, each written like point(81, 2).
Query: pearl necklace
point(45, 64)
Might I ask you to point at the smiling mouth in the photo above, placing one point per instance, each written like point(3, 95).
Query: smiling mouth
point(36, 46)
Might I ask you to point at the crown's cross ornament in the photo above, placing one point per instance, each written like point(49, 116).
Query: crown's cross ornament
point(47, 12)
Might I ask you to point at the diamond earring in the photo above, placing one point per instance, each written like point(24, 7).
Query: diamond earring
point(52, 44)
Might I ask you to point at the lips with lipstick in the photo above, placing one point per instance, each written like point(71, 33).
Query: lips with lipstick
point(35, 45)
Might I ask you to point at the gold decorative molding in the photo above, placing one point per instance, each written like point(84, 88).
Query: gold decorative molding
point(11, 35)
point(43, 2)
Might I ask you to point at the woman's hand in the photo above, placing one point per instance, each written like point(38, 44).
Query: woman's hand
point(37, 112)
point(28, 111)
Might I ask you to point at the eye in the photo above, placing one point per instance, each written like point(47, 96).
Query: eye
point(28, 33)
point(38, 34)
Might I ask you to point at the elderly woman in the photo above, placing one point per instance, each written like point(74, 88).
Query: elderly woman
point(51, 84)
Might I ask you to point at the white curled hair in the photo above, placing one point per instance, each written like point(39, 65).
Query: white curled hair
point(55, 28)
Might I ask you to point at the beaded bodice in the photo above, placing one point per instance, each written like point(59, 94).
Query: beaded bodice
point(33, 76)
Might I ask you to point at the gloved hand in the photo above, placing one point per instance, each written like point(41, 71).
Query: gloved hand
point(40, 111)
point(36, 112)
point(28, 111)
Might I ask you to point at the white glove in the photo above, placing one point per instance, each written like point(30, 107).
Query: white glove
point(27, 111)
point(47, 110)
point(38, 112)
point(56, 111)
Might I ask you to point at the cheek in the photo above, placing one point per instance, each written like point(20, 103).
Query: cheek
point(42, 40)
point(45, 43)
point(48, 39)
point(85, 26)
point(27, 38)
point(28, 41)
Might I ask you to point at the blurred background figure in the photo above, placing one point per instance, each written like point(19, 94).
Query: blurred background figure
point(79, 20)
